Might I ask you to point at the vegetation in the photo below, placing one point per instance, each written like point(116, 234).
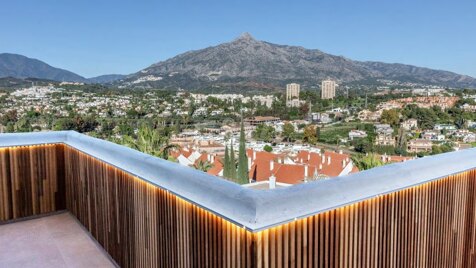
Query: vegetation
point(149, 141)
point(268, 148)
point(242, 174)
point(364, 162)
point(391, 117)
point(289, 133)
point(203, 165)
point(443, 148)
point(310, 134)
point(264, 133)
point(232, 163)
point(226, 164)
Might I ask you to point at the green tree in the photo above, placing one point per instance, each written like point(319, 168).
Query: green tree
point(150, 141)
point(232, 163)
point(267, 148)
point(64, 124)
point(390, 117)
point(364, 162)
point(289, 132)
point(264, 133)
point(363, 146)
point(226, 164)
point(9, 117)
point(443, 148)
point(401, 145)
point(242, 175)
point(309, 135)
point(203, 165)
point(86, 124)
point(23, 125)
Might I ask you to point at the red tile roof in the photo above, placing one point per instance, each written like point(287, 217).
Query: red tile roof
point(332, 169)
point(217, 167)
point(181, 151)
point(395, 158)
point(263, 155)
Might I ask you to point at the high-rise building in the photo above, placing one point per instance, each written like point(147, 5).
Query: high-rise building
point(292, 95)
point(328, 89)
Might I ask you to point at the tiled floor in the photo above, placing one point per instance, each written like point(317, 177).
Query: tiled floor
point(53, 241)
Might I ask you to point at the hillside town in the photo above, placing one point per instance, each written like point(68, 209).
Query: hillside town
point(291, 137)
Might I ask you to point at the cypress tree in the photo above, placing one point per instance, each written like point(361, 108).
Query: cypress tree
point(242, 158)
point(226, 164)
point(232, 163)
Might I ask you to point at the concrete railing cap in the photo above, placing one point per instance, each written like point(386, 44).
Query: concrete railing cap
point(252, 209)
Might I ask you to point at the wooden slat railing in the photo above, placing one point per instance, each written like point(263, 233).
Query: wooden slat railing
point(430, 224)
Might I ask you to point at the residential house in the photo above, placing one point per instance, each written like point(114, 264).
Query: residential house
point(385, 139)
point(258, 120)
point(433, 136)
point(447, 127)
point(409, 124)
point(419, 145)
point(357, 134)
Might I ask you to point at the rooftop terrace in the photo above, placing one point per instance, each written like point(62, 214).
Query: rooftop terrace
point(51, 241)
point(249, 208)
point(148, 212)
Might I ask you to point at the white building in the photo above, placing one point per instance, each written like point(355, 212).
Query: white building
point(447, 127)
point(292, 95)
point(409, 124)
point(357, 134)
point(328, 89)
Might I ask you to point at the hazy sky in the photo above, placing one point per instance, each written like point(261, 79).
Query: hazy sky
point(104, 36)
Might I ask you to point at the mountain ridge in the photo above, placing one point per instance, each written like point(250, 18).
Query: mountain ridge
point(19, 66)
point(245, 63)
point(106, 78)
point(247, 60)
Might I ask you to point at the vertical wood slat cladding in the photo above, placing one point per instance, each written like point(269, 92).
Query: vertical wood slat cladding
point(431, 225)
point(31, 181)
point(140, 225)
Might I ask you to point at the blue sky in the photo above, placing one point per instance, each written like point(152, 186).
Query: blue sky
point(104, 36)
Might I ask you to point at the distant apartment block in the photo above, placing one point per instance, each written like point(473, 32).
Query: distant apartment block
point(328, 89)
point(292, 95)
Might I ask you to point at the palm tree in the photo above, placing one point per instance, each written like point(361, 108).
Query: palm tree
point(364, 162)
point(203, 165)
point(149, 141)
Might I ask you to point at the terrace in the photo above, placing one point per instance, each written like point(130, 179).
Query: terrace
point(148, 212)
point(51, 241)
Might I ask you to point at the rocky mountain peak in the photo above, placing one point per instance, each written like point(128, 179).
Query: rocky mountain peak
point(246, 60)
point(245, 37)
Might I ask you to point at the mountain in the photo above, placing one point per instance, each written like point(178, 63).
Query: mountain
point(250, 63)
point(18, 66)
point(106, 79)
point(13, 83)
